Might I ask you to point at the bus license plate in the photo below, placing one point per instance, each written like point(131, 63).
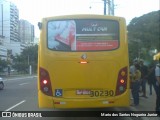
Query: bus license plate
point(83, 92)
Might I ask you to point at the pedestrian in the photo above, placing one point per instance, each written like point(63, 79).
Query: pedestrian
point(135, 85)
point(132, 72)
point(132, 67)
point(144, 75)
point(152, 79)
point(157, 75)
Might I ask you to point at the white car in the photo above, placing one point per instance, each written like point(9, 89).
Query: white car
point(1, 84)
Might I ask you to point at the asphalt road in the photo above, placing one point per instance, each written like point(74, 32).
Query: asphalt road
point(20, 94)
point(16, 91)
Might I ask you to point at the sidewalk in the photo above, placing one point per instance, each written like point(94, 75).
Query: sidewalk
point(12, 76)
point(146, 104)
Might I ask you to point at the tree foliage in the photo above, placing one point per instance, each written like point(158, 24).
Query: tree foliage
point(3, 65)
point(144, 35)
point(28, 57)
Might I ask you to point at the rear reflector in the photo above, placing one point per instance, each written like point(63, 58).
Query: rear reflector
point(107, 102)
point(60, 103)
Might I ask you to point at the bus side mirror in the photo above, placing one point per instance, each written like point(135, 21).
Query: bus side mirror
point(40, 25)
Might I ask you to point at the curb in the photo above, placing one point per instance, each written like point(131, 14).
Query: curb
point(18, 77)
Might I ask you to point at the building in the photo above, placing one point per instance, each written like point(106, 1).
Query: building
point(14, 33)
point(9, 19)
point(26, 32)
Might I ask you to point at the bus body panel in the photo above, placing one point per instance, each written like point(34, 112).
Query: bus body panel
point(76, 80)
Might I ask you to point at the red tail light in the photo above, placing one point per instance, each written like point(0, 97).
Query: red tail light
point(122, 81)
point(45, 83)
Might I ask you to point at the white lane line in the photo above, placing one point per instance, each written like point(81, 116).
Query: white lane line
point(23, 83)
point(15, 105)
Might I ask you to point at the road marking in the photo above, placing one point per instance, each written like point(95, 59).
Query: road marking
point(23, 83)
point(15, 105)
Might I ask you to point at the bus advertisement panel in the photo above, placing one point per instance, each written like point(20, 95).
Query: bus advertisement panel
point(83, 35)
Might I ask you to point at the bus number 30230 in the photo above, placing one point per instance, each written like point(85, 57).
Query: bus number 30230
point(101, 93)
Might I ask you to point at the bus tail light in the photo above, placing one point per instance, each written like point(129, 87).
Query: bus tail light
point(45, 83)
point(122, 81)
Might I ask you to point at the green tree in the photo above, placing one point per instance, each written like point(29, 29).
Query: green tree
point(29, 56)
point(144, 35)
point(3, 65)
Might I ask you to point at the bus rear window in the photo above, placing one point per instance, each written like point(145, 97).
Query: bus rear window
point(83, 35)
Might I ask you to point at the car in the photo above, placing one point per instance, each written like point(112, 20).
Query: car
point(1, 84)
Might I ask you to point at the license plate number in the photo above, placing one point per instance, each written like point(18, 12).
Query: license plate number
point(101, 93)
point(83, 92)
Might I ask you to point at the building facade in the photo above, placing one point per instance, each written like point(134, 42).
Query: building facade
point(9, 21)
point(3, 52)
point(26, 32)
point(15, 34)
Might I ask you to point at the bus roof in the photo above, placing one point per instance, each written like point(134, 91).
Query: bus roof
point(84, 16)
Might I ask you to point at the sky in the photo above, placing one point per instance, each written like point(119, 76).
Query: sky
point(34, 10)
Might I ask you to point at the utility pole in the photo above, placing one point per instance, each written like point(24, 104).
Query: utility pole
point(104, 7)
point(30, 66)
point(2, 18)
point(110, 6)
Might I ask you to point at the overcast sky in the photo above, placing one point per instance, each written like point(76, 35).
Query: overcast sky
point(34, 10)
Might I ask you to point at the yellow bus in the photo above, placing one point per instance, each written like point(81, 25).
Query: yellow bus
point(83, 62)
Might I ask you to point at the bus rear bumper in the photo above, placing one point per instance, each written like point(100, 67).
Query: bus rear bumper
point(53, 102)
point(89, 103)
